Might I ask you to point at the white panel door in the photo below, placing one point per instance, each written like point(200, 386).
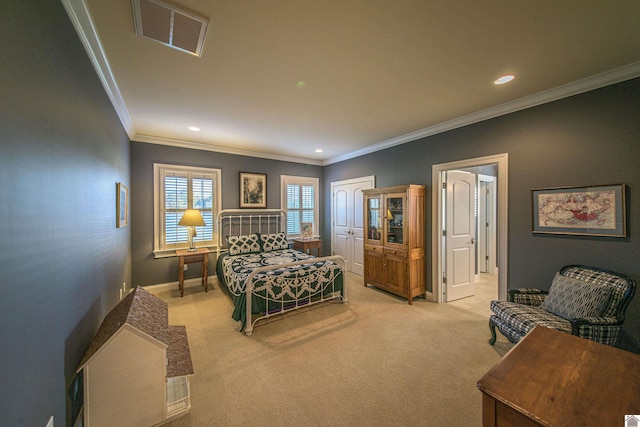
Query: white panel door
point(341, 240)
point(357, 230)
point(347, 239)
point(460, 234)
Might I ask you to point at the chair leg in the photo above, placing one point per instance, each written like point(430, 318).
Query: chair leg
point(492, 328)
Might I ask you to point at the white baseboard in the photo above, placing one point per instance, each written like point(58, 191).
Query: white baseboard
point(188, 283)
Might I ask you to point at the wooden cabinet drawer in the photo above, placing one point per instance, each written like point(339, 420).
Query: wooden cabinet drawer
point(373, 248)
point(189, 259)
point(395, 252)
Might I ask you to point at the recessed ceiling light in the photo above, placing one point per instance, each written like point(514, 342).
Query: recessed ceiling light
point(301, 84)
point(504, 79)
point(318, 150)
point(194, 128)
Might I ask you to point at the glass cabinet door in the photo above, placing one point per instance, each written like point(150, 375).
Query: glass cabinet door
point(395, 219)
point(374, 218)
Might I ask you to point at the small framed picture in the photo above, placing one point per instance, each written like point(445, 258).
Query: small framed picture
point(122, 205)
point(307, 230)
point(585, 211)
point(253, 190)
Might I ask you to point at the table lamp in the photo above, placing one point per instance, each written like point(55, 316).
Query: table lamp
point(191, 219)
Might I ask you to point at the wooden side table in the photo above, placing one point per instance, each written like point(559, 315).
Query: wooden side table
point(186, 257)
point(552, 378)
point(304, 245)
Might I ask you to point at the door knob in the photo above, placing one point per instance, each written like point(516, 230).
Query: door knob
point(473, 240)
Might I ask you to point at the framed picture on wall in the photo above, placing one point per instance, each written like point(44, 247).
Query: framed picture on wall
point(122, 205)
point(585, 211)
point(253, 190)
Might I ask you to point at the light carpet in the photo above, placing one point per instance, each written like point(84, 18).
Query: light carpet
point(376, 361)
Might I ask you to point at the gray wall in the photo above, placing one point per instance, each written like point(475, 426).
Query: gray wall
point(150, 271)
point(62, 150)
point(588, 139)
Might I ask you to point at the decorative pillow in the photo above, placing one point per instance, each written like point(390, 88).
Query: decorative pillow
point(571, 298)
point(247, 244)
point(274, 242)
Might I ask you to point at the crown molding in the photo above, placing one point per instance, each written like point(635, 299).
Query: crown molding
point(221, 149)
point(597, 81)
point(81, 20)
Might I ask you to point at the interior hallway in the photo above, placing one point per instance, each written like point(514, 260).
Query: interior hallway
point(486, 291)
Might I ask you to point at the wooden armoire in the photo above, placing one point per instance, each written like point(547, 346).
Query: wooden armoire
point(394, 242)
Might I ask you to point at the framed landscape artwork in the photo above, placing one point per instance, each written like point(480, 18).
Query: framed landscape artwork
point(122, 205)
point(586, 211)
point(253, 190)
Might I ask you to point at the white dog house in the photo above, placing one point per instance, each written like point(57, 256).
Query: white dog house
point(137, 368)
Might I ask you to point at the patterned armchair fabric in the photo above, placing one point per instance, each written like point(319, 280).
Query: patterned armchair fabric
point(528, 296)
point(585, 301)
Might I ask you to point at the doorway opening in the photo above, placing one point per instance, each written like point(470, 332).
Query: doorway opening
point(499, 266)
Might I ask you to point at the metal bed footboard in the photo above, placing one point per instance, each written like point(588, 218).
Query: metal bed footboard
point(232, 222)
point(295, 303)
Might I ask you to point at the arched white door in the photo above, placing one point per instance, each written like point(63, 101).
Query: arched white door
point(460, 229)
point(347, 236)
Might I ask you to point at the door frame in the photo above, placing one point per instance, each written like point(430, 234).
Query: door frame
point(502, 160)
point(371, 179)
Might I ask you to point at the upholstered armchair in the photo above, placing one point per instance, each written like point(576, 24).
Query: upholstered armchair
point(585, 301)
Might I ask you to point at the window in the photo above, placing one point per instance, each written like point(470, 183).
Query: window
point(300, 202)
point(178, 188)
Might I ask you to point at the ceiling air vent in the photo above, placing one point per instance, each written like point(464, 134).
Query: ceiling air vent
point(170, 25)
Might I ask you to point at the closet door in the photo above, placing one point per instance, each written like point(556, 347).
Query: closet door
point(347, 238)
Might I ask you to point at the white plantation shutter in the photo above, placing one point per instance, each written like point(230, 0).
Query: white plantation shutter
point(293, 209)
point(308, 203)
point(176, 199)
point(300, 203)
point(179, 188)
point(202, 199)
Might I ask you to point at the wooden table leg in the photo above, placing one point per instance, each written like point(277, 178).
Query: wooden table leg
point(181, 276)
point(205, 272)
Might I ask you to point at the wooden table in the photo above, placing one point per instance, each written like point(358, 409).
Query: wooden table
point(551, 378)
point(304, 245)
point(188, 257)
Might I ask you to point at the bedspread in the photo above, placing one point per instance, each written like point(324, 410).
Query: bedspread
point(280, 288)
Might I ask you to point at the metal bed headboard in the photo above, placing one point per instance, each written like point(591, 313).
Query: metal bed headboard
point(238, 222)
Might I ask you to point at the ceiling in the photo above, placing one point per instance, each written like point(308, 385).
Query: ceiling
point(282, 78)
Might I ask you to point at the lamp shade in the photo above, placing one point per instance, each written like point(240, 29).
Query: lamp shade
point(192, 218)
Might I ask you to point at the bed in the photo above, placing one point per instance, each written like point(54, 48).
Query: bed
point(263, 275)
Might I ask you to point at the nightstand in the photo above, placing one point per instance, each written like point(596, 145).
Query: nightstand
point(188, 257)
point(304, 245)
